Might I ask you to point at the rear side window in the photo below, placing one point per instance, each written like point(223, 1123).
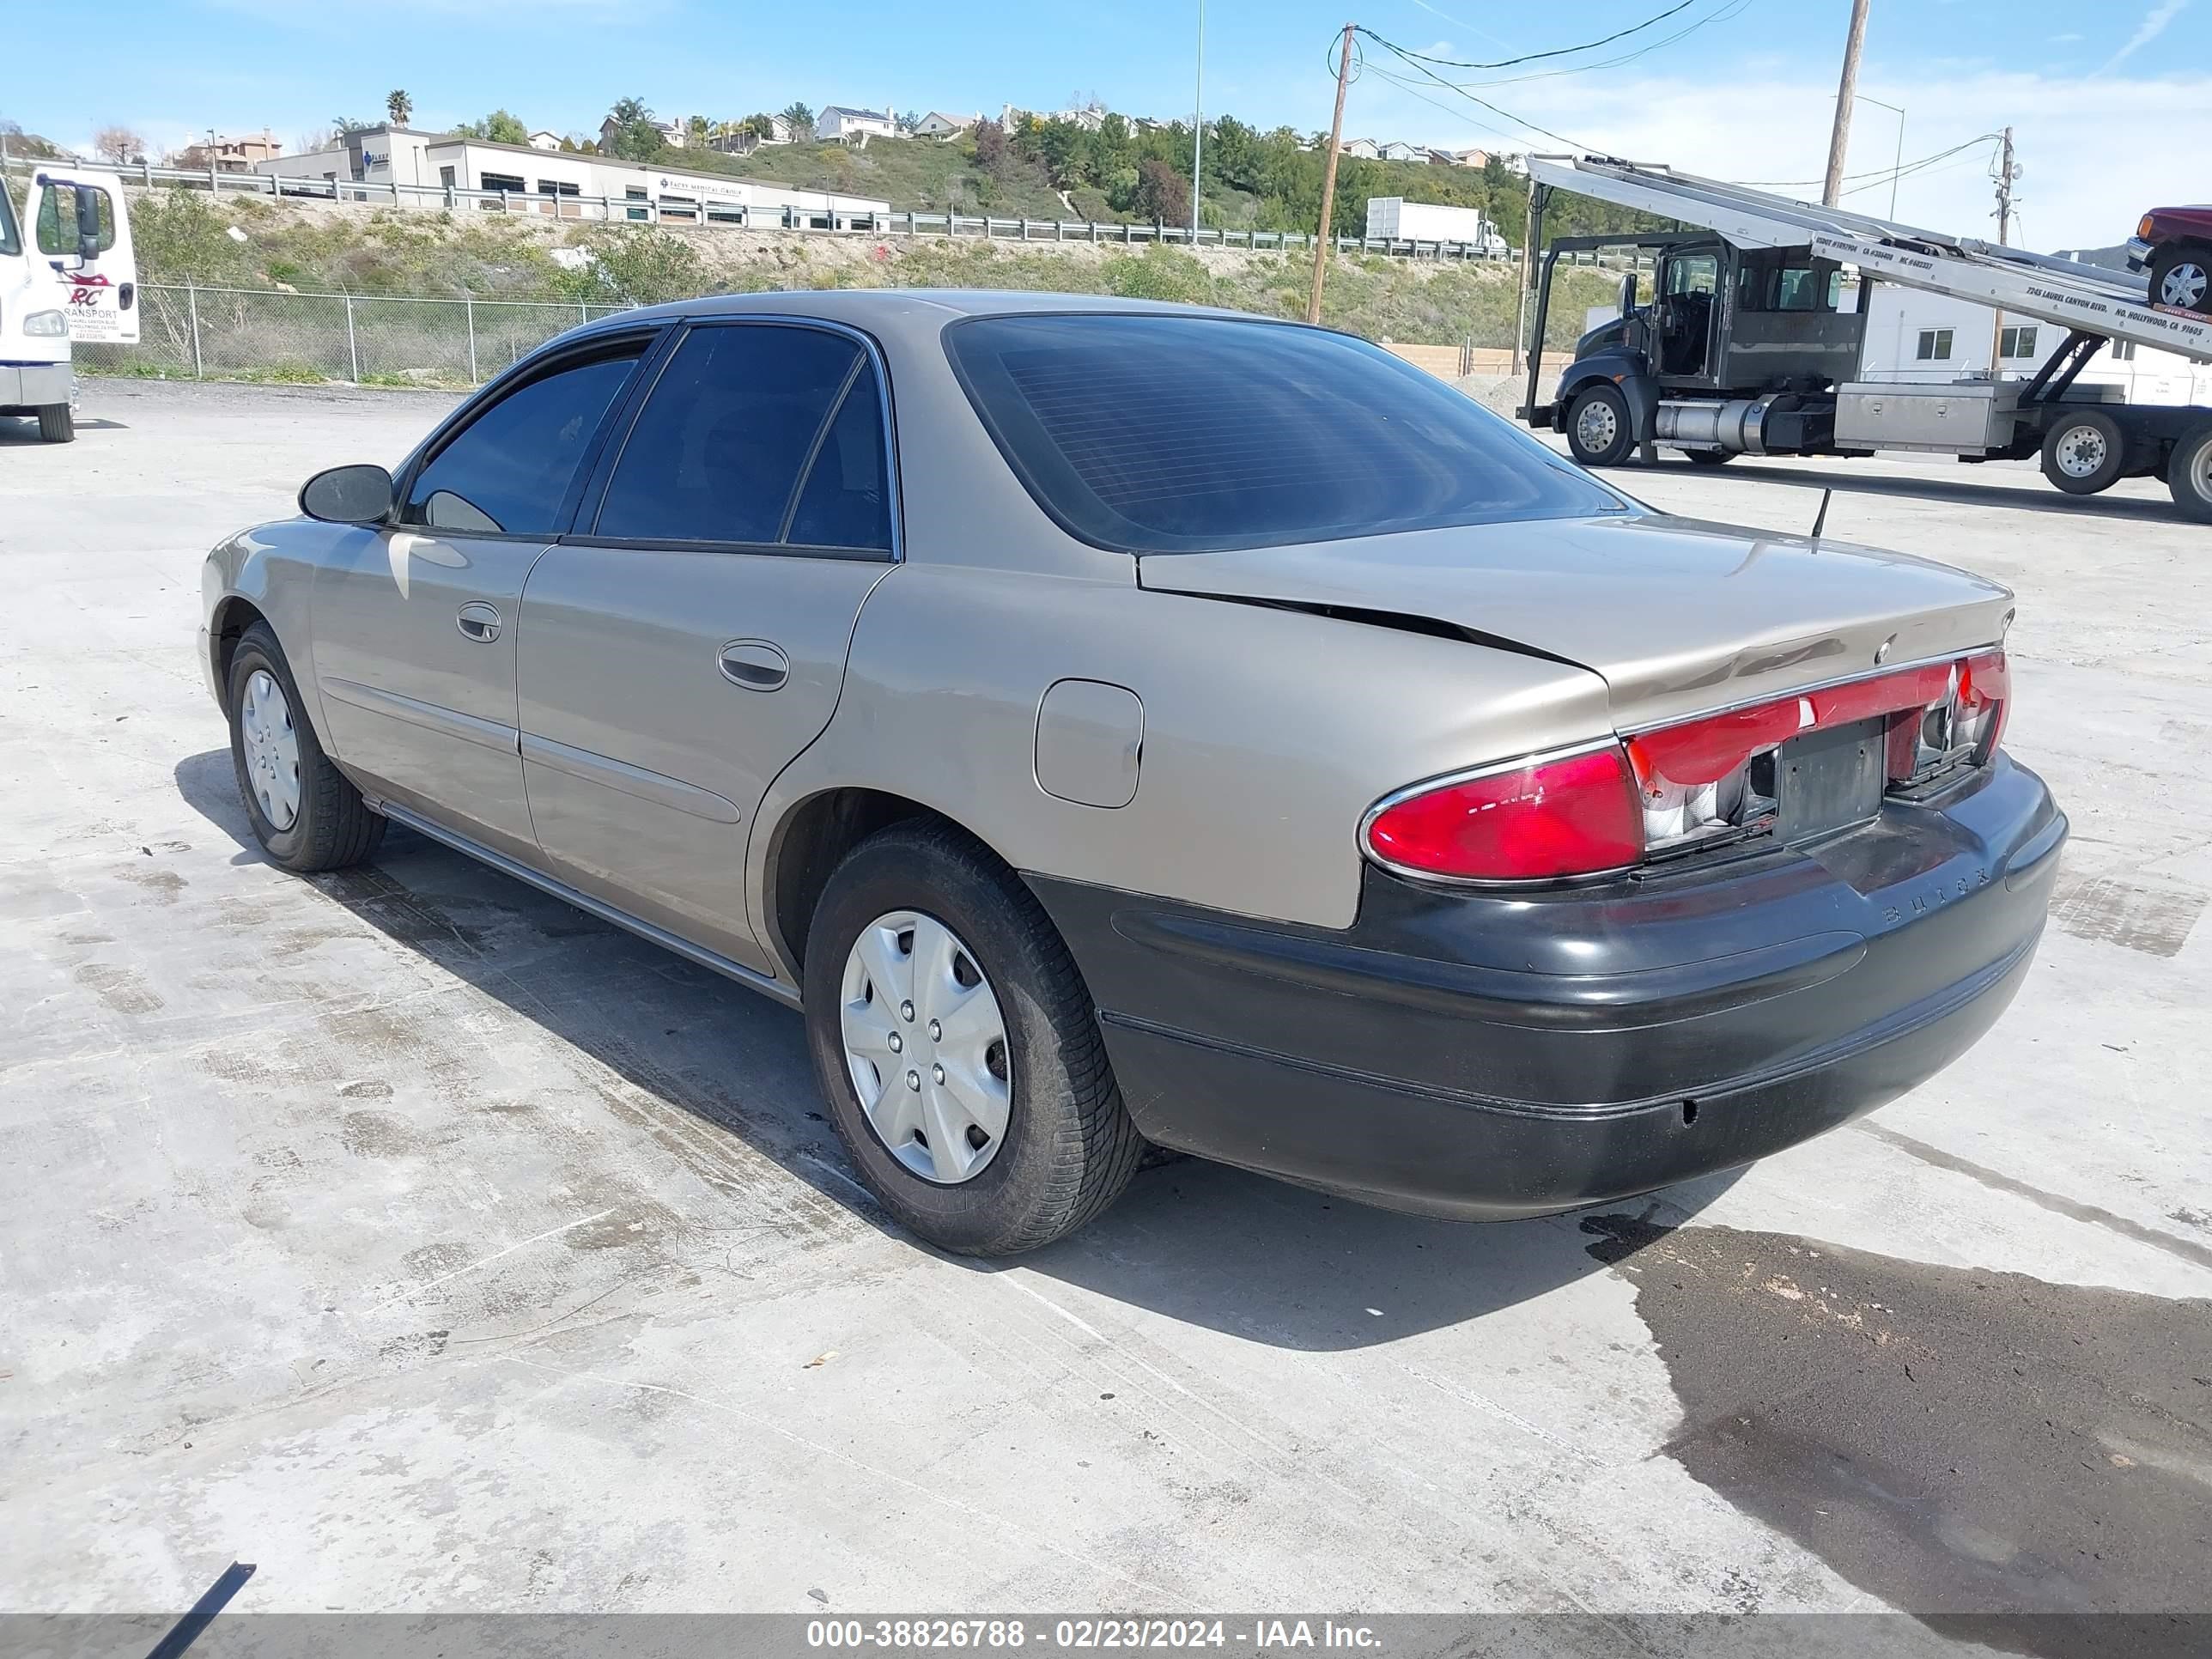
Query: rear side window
point(755, 433)
point(1178, 434)
point(509, 470)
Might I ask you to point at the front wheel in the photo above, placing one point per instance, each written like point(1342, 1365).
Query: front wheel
point(2189, 474)
point(954, 1042)
point(2182, 276)
point(2084, 453)
point(1598, 426)
point(305, 812)
point(57, 423)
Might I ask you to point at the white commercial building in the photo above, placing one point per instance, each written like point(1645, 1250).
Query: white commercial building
point(1913, 335)
point(424, 166)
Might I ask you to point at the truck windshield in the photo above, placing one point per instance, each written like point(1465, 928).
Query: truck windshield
point(11, 239)
point(1160, 434)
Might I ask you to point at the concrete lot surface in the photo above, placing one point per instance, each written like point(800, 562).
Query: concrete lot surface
point(436, 1247)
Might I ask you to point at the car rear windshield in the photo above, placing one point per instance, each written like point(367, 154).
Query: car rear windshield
point(1184, 435)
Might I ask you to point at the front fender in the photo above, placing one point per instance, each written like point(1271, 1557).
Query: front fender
point(268, 570)
point(1629, 370)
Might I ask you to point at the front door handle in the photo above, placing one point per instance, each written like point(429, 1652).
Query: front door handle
point(754, 665)
point(478, 621)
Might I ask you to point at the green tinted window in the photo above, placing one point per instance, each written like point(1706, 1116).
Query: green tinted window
point(57, 219)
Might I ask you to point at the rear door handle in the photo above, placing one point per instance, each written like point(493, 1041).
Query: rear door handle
point(478, 621)
point(756, 665)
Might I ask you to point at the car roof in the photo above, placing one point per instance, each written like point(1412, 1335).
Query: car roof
point(912, 307)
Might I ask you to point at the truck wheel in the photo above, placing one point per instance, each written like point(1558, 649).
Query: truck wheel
point(2084, 453)
point(1598, 428)
point(2189, 474)
point(957, 1048)
point(2182, 276)
point(58, 423)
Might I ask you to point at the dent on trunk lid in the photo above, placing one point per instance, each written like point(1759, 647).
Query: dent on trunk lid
point(1678, 615)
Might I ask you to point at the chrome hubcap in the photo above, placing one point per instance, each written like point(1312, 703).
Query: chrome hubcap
point(2184, 286)
point(926, 1047)
point(272, 749)
point(1595, 426)
point(2080, 452)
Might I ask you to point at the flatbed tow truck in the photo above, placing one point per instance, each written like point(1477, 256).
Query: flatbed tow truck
point(1744, 347)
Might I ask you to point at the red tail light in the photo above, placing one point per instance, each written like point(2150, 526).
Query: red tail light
point(1682, 785)
point(1537, 821)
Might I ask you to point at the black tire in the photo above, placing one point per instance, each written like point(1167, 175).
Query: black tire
point(57, 423)
point(1069, 1147)
point(1611, 454)
point(2187, 268)
point(2087, 438)
point(1710, 457)
point(2189, 474)
point(333, 827)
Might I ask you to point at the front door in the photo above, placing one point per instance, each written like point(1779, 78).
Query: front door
point(1689, 296)
point(82, 227)
point(690, 640)
point(415, 623)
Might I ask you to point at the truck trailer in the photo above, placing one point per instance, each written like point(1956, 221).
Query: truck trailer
point(1745, 346)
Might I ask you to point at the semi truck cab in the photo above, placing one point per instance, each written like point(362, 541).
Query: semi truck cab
point(68, 272)
point(1735, 349)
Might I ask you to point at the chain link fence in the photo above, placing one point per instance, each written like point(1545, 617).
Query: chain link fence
point(267, 334)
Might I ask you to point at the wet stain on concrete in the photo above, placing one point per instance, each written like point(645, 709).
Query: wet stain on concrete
point(163, 884)
point(2155, 920)
point(120, 989)
point(378, 1134)
point(1969, 1446)
point(367, 1089)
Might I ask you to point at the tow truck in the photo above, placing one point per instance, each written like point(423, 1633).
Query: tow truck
point(67, 273)
point(1745, 347)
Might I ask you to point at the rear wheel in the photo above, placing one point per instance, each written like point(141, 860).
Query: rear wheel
point(305, 813)
point(2182, 276)
point(2085, 453)
point(1598, 426)
point(58, 423)
point(954, 1042)
point(2189, 474)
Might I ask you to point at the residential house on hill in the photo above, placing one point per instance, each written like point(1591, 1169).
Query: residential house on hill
point(944, 128)
point(846, 125)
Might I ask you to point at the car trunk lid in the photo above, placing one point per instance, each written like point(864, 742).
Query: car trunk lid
point(1679, 616)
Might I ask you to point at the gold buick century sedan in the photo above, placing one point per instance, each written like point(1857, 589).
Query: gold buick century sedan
point(1116, 725)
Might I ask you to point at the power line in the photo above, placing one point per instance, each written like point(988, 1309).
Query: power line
point(1412, 60)
point(1533, 57)
point(1880, 175)
point(1728, 9)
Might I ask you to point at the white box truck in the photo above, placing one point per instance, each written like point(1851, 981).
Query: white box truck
point(67, 272)
point(1395, 219)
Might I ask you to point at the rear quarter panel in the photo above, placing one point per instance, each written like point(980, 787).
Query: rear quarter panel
point(1267, 732)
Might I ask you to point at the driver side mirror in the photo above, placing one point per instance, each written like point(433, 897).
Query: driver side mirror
point(88, 224)
point(1628, 293)
point(348, 494)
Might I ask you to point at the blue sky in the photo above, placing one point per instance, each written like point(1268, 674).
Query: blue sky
point(2111, 99)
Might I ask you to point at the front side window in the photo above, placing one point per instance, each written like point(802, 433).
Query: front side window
point(1699, 273)
point(57, 219)
point(508, 472)
point(1161, 434)
point(11, 238)
point(755, 433)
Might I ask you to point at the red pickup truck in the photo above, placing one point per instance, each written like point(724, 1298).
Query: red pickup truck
point(2176, 243)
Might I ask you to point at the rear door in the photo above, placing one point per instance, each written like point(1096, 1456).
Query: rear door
point(689, 638)
point(83, 227)
point(415, 623)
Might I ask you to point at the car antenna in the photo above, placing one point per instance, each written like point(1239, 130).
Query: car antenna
point(1822, 517)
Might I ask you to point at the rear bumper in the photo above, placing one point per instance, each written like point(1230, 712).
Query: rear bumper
point(1485, 1056)
point(34, 385)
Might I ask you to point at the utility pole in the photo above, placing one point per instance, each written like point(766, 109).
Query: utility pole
point(1329, 178)
point(2006, 173)
point(1198, 129)
point(1839, 138)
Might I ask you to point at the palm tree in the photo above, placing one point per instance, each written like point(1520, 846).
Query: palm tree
point(400, 106)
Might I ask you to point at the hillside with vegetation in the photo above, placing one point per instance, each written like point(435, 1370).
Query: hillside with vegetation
point(183, 236)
